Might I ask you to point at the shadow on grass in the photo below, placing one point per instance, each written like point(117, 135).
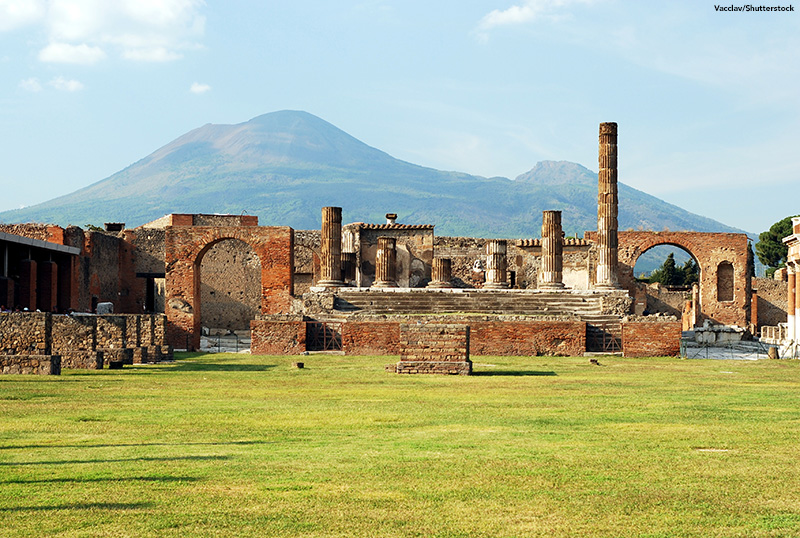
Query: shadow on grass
point(516, 373)
point(219, 367)
point(103, 479)
point(119, 460)
point(116, 445)
point(80, 506)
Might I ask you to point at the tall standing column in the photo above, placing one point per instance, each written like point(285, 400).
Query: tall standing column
point(551, 276)
point(496, 264)
point(331, 259)
point(790, 307)
point(441, 273)
point(607, 208)
point(385, 266)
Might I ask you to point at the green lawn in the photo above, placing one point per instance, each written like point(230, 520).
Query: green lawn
point(239, 445)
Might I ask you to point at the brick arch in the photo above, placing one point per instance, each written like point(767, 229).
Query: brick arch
point(709, 250)
point(184, 250)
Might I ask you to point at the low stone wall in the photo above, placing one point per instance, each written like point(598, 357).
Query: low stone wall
point(371, 338)
point(563, 338)
point(30, 364)
point(85, 341)
point(277, 337)
point(651, 339)
point(434, 348)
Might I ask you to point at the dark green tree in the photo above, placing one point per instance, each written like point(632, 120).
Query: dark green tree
point(770, 248)
point(690, 272)
point(670, 274)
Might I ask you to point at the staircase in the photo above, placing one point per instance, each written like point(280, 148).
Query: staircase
point(476, 302)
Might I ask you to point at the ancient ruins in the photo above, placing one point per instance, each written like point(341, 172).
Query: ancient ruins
point(367, 288)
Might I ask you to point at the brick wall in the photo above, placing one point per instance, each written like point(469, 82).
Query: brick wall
point(651, 339)
point(277, 337)
point(564, 338)
point(371, 338)
point(434, 348)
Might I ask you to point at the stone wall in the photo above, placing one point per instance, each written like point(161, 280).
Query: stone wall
point(772, 301)
point(662, 300)
point(651, 339)
point(85, 341)
point(307, 245)
point(277, 337)
point(523, 258)
point(230, 286)
point(26, 333)
point(30, 364)
point(434, 348)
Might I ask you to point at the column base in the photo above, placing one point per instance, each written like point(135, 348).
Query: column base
point(384, 284)
point(439, 285)
point(330, 283)
point(496, 286)
point(552, 286)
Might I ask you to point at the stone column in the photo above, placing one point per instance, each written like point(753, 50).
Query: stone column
point(607, 208)
point(331, 252)
point(790, 307)
point(796, 304)
point(496, 264)
point(441, 273)
point(385, 266)
point(551, 276)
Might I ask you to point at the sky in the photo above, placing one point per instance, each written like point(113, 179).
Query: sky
point(706, 100)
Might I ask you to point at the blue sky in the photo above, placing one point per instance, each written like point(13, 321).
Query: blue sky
point(706, 101)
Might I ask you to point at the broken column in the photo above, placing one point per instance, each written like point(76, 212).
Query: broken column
point(331, 248)
point(441, 273)
point(348, 257)
point(385, 271)
point(496, 264)
point(551, 276)
point(607, 208)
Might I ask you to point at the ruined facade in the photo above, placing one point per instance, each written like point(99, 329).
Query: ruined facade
point(354, 285)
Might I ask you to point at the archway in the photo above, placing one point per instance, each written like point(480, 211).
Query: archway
point(184, 248)
point(665, 274)
point(710, 251)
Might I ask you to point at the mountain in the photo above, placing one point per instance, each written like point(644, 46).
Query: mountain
point(285, 166)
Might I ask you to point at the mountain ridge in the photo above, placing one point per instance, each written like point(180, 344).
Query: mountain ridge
point(284, 166)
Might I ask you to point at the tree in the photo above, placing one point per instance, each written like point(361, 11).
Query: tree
point(770, 248)
point(671, 275)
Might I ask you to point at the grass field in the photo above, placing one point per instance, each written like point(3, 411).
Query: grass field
point(239, 445)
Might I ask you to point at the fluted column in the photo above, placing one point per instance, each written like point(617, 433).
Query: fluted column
point(607, 208)
point(551, 275)
point(441, 273)
point(331, 249)
point(385, 266)
point(496, 264)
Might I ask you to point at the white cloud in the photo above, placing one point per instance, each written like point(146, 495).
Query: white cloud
point(16, 13)
point(66, 85)
point(528, 11)
point(84, 31)
point(72, 54)
point(30, 84)
point(199, 88)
